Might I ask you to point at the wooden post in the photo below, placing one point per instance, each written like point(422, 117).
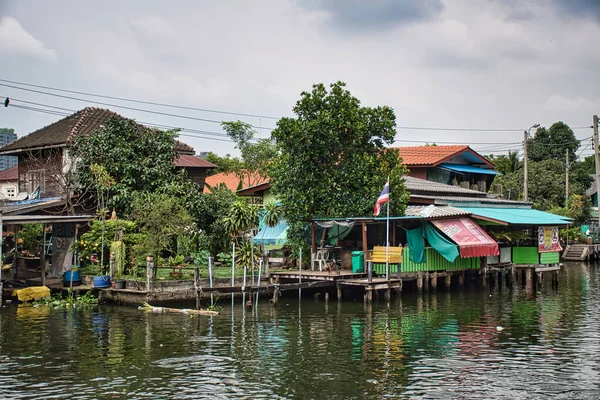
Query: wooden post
point(399, 288)
point(461, 278)
point(448, 279)
point(426, 281)
point(196, 286)
point(275, 297)
point(513, 276)
point(388, 295)
point(529, 279)
point(42, 257)
point(149, 271)
point(420, 281)
point(369, 296)
point(483, 270)
point(364, 242)
point(434, 279)
point(370, 271)
point(540, 277)
point(326, 296)
point(339, 292)
point(394, 233)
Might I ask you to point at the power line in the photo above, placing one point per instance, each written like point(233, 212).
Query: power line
point(196, 133)
point(125, 107)
point(141, 101)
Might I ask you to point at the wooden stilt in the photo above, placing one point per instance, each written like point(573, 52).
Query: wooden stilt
point(540, 279)
point(399, 288)
point(275, 297)
point(369, 296)
point(426, 281)
point(448, 280)
point(339, 293)
point(461, 279)
point(326, 296)
point(529, 279)
point(420, 281)
point(434, 279)
point(388, 295)
point(513, 275)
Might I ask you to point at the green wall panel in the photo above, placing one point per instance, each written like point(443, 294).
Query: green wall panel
point(435, 262)
point(549, 258)
point(525, 255)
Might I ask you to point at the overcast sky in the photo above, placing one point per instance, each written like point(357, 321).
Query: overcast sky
point(494, 64)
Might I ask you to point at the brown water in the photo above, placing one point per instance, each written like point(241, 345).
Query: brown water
point(436, 345)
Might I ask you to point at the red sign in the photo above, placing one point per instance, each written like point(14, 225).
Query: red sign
point(471, 239)
point(548, 239)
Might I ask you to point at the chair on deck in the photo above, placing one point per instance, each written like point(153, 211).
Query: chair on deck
point(321, 258)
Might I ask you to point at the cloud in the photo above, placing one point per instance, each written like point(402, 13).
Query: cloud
point(359, 15)
point(580, 8)
point(16, 41)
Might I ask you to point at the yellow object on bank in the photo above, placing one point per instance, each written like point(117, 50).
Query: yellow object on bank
point(31, 293)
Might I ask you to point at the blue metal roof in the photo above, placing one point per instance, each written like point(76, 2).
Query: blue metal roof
point(518, 216)
point(468, 169)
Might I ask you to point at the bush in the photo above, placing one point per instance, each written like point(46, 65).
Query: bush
point(90, 242)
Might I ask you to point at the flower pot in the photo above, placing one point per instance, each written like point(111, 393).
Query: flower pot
point(120, 284)
point(176, 274)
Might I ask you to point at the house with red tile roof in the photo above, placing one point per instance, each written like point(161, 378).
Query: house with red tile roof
point(451, 165)
point(235, 182)
point(9, 183)
point(43, 154)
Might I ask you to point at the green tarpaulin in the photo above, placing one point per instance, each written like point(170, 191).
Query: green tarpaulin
point(416, 244)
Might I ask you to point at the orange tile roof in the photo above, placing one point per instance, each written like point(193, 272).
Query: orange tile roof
point(433, 155)
point(9, 175)
point(232, 181)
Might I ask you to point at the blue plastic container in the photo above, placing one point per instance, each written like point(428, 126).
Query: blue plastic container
point(76, 278)
point(102, 281)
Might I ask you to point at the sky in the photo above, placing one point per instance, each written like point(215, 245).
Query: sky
point(462, 65)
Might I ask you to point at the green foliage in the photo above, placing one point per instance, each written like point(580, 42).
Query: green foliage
point(243, 255)
point(137, 158)
point(241, 217)
point(32, 236)
point(176, 261)
point(513, 237)
point(272, 213)
point(578, 208)
point(224, 258)
point(552, 144)
point(572, 234)
point(224, 164)
point(507, 164)
point(70, 300)
point(201, 258)
point(117, 249)
point(90, 242)
point(333, 160)
point(211, 207)
point(161, 217)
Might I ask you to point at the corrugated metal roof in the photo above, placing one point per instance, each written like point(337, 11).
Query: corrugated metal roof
point(518, 216)
point(417, 186)
point(432, 211)
point(470, 169)
point(189, 161)
point(458, 200)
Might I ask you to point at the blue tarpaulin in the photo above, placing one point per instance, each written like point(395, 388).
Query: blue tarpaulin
point(275, 235)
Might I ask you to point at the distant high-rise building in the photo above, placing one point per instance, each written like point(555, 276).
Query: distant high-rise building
point(7, 135)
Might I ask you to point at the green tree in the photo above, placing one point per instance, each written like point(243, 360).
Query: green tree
point(506, 164)
point(333, 160)
point(224, 164)
point(256, 154)
point(138, 159)
point(553, 143)
point(161, 217)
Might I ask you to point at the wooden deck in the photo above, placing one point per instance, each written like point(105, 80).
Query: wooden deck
point(375, 284)
point(318, 275)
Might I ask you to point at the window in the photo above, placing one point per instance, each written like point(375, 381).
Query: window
point(37, 178)
point(11, 191)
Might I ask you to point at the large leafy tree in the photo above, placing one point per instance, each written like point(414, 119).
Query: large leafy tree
point(224, 164)
point(553, 143)
point(333, 159)
point(506, 164)
point(137, 158)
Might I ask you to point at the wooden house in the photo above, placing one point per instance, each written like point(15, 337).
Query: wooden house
point(44, 160)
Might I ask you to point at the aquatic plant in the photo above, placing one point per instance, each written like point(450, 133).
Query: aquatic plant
point(70, 300)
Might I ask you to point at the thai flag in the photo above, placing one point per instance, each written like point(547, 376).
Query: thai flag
point(384, 197)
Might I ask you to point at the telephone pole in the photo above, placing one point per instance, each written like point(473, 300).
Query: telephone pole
point(567, 179)
point(525, 177)
point(596, 158)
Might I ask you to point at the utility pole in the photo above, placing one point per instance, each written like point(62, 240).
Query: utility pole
point(567, 179)
point(525, 177)
point(596, 158)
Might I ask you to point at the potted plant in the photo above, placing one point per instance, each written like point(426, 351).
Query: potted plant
point(176, 262)
point(117, 253)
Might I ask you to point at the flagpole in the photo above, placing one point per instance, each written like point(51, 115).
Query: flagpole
point(387, 238)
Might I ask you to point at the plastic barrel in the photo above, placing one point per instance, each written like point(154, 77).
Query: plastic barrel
point(76, 278)
point(358, 261)
point(102, 281)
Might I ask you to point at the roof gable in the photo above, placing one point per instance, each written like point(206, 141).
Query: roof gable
point(232, 181)
point(431, 156)
point(59, 134)
point(10, 174)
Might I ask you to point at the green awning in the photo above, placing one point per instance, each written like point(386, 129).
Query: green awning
point(517, 216)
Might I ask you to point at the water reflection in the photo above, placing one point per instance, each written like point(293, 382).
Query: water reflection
point(435, 345)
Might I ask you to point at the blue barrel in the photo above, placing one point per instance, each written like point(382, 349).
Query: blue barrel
point(102, 281)
point(76, 277)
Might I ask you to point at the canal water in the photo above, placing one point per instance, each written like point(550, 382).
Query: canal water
point(481, 342)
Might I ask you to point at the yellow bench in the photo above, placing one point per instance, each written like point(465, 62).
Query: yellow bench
point(377, 255)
